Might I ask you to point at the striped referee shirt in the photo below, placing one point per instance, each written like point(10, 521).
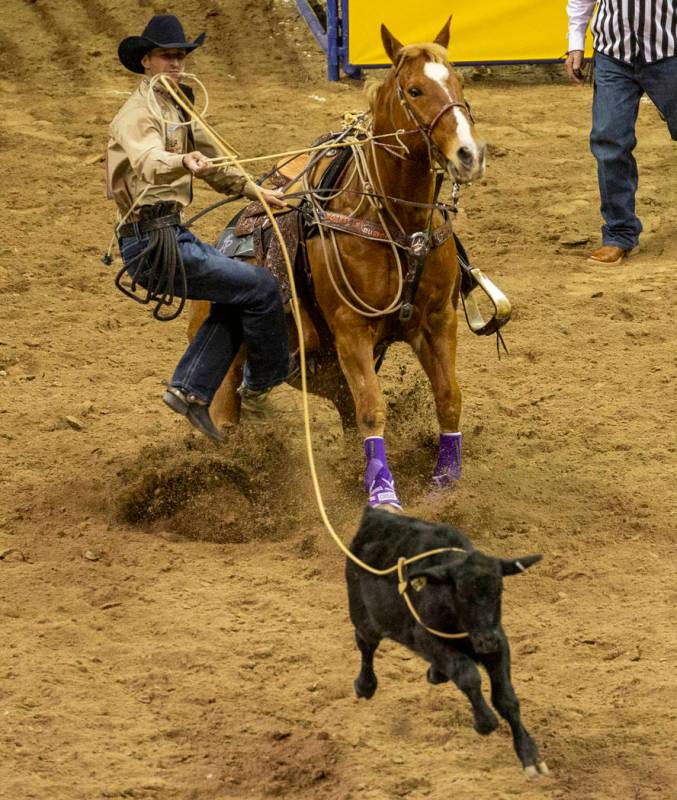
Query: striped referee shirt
point(628, 30)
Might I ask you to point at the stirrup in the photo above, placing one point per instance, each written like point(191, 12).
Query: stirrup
point(501, 304)
point(472, 278)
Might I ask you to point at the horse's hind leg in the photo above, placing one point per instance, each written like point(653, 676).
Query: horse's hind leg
point(225, 406)
point(327, 380)
point(198, 311)
point(436, 350)
point(355, 351)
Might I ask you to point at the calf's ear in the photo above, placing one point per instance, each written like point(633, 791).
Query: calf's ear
point(513, 566)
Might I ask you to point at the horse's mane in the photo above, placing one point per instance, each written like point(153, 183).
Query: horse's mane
point(431, 51)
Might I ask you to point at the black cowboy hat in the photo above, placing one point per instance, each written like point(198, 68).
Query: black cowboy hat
point(164, 30)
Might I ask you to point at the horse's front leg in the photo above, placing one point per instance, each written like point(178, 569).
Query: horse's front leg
point(355, 349)
point(436, 350)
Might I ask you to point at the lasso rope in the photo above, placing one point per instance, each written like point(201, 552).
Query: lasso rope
point(182, 101)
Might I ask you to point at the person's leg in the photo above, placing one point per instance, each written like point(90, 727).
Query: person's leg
point(247, 308)
point(659, 81)
point(209, 355)
point(612, 140)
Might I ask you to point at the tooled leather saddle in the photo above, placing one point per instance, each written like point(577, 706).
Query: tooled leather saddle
point(250, 233)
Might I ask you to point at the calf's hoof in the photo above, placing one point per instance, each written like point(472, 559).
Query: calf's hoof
point(533, 771)
point(434, 676)
point(365, 689)
point(486, 725)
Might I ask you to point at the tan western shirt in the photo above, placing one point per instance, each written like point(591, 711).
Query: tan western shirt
point(145, 154)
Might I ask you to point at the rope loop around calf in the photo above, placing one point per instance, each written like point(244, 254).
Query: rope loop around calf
point(404, 584)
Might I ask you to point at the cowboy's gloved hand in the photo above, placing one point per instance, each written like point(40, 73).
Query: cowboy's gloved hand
point(198, 164)
point(274, 197)
point(574, 66)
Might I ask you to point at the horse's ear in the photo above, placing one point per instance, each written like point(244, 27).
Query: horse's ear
point(443, 36)
point(390, 43)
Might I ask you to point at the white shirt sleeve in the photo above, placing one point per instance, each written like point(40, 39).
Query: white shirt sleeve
point(579, 13)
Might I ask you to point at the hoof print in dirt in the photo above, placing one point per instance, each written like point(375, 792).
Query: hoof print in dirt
point(455, 624)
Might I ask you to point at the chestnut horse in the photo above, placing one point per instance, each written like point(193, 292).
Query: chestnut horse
point(359, 282)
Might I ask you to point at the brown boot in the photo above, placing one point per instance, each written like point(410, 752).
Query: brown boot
point(610, 255)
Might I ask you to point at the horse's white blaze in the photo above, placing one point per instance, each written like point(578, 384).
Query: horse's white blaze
point(437, 72)
point(465, 137)
point(440, 74)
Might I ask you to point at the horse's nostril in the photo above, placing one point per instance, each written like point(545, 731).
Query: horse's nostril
point(466, 156)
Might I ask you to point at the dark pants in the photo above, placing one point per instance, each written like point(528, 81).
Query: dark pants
point(617, 91)
point(246, 308)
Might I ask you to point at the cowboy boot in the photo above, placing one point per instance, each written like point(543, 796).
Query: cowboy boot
point(195, 410)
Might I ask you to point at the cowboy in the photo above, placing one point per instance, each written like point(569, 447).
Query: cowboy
point(634, 52)
point(154, 152)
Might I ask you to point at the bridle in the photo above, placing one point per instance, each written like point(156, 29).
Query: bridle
point(427, 128)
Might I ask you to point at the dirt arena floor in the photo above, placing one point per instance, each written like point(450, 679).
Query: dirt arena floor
point(173, 616)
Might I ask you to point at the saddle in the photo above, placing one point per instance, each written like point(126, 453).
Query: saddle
point(250, 233)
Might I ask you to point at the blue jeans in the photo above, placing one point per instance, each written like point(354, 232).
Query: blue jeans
point(246, 308)
point(618, 88)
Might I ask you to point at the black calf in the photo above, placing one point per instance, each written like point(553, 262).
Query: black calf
point(460, 592)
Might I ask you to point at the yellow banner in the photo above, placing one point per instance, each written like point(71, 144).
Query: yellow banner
point(481, 30)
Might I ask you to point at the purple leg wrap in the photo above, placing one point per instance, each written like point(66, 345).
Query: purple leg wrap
point(378, 480)
point(448, 468)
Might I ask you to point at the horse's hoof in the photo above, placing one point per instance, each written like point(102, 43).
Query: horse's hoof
point(447, 471)
point(543, 768)
point(445, 480)
point(379, 482)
